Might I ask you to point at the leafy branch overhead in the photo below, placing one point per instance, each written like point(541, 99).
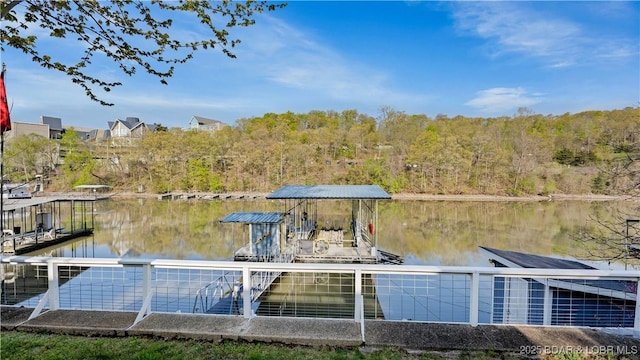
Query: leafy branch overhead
point(134, 34)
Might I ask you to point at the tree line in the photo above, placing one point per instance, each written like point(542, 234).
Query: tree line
point(592, 152)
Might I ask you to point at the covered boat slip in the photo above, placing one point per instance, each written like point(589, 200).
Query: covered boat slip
point(300, 233)
point(304, 233)
point(39, 222)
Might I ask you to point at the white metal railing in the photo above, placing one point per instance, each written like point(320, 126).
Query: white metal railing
point(471, 295)
point(214, 292)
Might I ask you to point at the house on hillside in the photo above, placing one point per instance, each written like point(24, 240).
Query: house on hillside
point(21, 128)
point(55, 126)
point(49, 127)
point(89, 134)
point(203, 124)
point(128, 129)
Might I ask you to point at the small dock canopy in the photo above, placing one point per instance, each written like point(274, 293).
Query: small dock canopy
point(264, 238)
point(330, 192)
point(254, 218)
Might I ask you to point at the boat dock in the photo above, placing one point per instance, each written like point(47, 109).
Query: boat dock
point(31, 224)
point(300, 234)
point(211, 196)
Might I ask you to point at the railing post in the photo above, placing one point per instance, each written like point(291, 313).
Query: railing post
point(54, 285)
point(358, 302)
point(145, 309)
point(246, 291)
point(52, 296)
point(547, 303)
point(636, 323)
point(474, 301)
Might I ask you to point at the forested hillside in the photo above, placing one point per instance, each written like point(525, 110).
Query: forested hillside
point(584, 153)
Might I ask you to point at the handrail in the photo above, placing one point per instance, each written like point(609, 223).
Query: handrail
point(330, 267)
point(249, 271)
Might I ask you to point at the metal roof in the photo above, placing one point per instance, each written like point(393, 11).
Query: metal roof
point(329, 192)
point(15, 204)
point(254, 217)
point(537, 261)
point(544, 262)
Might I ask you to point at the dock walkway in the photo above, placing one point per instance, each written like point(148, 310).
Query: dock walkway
point(412, 336)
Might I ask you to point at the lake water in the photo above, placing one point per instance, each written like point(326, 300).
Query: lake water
point(423, 232)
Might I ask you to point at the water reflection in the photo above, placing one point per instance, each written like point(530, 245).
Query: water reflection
point(424, 232)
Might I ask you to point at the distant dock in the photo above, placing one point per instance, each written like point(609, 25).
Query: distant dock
point(35, 223)
point(211, 196)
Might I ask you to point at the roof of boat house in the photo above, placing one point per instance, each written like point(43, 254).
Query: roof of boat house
point(329, 192)
point(517, 259)
point(254, 217)
point(536, 261)
point(15, 204)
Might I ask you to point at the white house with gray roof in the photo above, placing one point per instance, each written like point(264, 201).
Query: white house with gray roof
point(200, 123)
point(130, 128)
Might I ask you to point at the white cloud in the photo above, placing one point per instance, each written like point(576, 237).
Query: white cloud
point(290, 57)
point(501, 100)
point(516, 27)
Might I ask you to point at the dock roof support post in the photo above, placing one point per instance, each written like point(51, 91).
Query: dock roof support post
point(73, 216)
point(250, 240)
point(375, 234)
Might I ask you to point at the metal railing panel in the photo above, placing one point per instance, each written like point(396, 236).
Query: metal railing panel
point(100, 288)
point(473, 295)
point(309, 294)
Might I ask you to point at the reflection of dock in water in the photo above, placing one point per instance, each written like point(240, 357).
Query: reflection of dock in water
point(317, 295)
point(294, 235)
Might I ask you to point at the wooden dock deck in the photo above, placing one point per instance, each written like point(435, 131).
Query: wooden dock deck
point(29, 242)
point(35, 223)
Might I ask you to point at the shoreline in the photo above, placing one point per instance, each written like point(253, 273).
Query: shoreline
point(400, 196)
point(499, 198)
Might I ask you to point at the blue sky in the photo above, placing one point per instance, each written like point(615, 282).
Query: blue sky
point(453, 58)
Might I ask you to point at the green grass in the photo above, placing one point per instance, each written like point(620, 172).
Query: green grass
point(26, 345)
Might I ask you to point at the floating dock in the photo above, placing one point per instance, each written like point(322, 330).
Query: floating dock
point(296, 235)
point(35, 223)
point(297, 232)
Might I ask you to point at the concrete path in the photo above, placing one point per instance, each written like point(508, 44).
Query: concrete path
point(412, 336)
